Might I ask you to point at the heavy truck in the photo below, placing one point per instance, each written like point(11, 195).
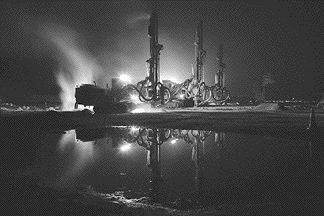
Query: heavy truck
point(104, 100)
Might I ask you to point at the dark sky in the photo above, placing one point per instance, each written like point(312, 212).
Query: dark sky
point(40, 40)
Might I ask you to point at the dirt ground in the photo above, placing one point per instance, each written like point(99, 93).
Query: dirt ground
point(263, 120)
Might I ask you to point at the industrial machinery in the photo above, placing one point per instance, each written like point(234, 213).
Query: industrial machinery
point(116, 99)
point(192, 92)
point(219, 91)
point(151, 89)
point(103, 100)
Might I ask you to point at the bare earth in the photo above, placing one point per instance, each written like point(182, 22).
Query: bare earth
point(263, 120)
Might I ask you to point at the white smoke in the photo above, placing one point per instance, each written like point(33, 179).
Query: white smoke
point(76, 65)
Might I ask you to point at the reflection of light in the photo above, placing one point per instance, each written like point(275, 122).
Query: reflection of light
point(181, 96)
point(82, 155)
point(125, 78)
point(125, 148)
point(174, 141)
point(138, 110)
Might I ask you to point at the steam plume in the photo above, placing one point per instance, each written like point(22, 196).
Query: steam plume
point(76, 65)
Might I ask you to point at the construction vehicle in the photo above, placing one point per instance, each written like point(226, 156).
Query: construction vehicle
point(116, 99)
point(193, 92)
point(103, 100)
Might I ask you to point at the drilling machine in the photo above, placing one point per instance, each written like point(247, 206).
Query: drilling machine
point(117, 99)
point(219, 92)
point(151, 89)
point(193, 91)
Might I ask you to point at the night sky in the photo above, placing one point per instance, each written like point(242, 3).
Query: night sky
point(40, 40)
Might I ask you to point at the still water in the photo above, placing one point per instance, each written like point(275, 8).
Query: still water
point(178, 169)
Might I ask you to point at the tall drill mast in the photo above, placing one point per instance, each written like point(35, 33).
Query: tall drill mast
point(220, 76)
point(155, 48)
point(200, 53)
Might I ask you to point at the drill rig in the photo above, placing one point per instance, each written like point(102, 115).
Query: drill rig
point(219, 91)
point(151, 89)
point(117, 99)
point(195, 89)
point(192, 92)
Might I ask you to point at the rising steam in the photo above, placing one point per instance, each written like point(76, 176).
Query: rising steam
point(76, 65)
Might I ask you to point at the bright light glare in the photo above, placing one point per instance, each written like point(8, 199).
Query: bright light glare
point(125, 148)
point(133, 129)
point(138, 110)
point(125, 78)
point(181, 96)
point(174, 141)
point(172, 79)
point(134, 97)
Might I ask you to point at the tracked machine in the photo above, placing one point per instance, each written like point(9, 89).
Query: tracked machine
point(193, 92)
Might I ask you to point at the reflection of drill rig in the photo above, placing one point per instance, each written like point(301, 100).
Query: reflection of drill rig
point(152, 139)
point(219, 142)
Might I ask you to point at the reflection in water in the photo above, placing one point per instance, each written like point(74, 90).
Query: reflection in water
point(219, 142)
point(178, 168)
point(152, 139)
point(82, 155)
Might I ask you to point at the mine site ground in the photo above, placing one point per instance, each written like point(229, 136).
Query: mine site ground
point(264, 119)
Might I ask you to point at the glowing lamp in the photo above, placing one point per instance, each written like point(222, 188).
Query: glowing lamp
point(133, 129)
point(138, 110)
point(125, 78)
point(125, 148)
point(174, 141)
